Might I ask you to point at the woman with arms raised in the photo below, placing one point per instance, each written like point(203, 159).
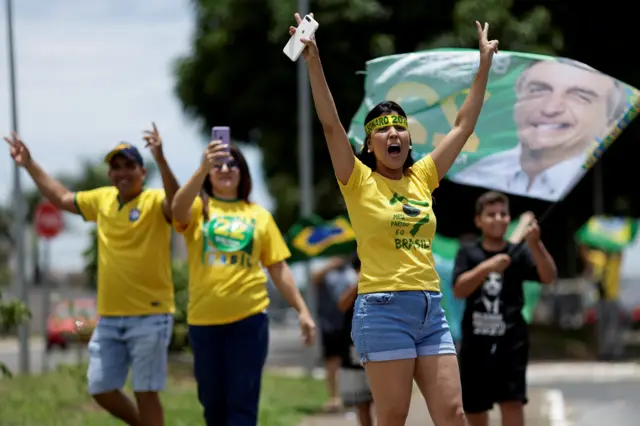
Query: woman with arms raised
point(399, 328)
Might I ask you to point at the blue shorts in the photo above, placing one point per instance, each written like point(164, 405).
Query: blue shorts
point(400, 325)
point(141, 342)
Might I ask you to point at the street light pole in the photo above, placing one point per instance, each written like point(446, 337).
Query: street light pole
point(305, 164)
point(18, 203)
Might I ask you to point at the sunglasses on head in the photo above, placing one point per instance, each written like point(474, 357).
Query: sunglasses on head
point(231, 164)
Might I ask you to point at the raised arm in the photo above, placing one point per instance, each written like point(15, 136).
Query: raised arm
point(169, 181)
point(546, 269)
point(340, 150)
point(183, 200)
point(446, 152)
point(49, 187)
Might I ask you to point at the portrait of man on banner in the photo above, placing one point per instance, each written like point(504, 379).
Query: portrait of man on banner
point(562, 108)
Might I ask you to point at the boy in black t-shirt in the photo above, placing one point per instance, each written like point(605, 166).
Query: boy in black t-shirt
point(354, 387)
point(489, 274)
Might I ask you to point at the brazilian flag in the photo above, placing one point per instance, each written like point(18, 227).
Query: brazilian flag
point(315, 237)
point(608, 233)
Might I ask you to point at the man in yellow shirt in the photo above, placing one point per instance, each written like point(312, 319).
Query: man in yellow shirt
point(135, 289)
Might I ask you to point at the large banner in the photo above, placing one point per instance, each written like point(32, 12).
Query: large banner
point(545, 120)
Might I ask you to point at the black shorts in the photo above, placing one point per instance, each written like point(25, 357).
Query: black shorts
point(333, 344)
point(487, 380)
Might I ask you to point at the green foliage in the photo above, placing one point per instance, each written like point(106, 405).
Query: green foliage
point(532, 32)
point(180, 271)
point(237, 75)
point(12, 314)
point(60, 398)
point(90, 256)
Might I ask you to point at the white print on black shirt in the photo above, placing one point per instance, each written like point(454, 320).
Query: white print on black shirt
point(487, 319)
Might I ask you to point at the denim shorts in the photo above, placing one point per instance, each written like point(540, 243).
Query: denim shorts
point(139, 342)
point(400, 325)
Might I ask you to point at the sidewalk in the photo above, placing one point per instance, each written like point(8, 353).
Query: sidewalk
point(537, 413)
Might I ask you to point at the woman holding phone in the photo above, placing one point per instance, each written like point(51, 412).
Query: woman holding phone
point(229, 239)
point(399, 328)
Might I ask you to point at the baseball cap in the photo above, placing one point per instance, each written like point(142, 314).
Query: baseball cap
point(126, 149)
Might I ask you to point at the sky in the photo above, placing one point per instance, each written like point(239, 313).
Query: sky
point(89, 75)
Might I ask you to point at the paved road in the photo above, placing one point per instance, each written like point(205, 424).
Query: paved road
point(575, 394)
point(596, 404)
point(285, 349)
point(590, 394)
point(9, 355)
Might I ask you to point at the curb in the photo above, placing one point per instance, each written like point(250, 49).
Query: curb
point(588, 372)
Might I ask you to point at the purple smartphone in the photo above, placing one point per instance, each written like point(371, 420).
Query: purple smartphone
point(222, 133)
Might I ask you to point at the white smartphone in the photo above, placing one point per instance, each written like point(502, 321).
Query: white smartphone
point(306, 29)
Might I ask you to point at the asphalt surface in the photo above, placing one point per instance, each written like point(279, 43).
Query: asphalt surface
point(590, 394)
point(596, 404)
point(285, 350)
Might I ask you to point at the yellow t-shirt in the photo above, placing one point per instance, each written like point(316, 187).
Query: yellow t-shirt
point(606, 269)
point(134, 252)
point(394, 225)
point(226, 256)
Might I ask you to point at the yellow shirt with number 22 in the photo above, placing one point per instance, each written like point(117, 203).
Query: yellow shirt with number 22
point(226, 254)
point(394, 225)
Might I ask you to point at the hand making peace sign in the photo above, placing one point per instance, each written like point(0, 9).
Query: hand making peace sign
point(18, 150)
point(153, 141)
point(487, 48)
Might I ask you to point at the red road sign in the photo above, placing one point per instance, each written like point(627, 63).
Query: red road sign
point(48, 220)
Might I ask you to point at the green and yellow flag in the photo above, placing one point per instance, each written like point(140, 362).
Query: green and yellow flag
point(608, 233)
point(532, 103)
point(315, 237)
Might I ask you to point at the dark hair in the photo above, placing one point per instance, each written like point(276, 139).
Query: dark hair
point(616, 100)
point(355, 262)
point(384, 107)
point(489, 198)
point(244, 186)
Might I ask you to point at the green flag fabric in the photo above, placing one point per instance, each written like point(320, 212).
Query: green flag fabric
point(607, 233)
point(314, 237)
point(535, 107)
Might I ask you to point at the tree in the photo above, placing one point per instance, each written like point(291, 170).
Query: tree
point(14, 312)
point(180, 335)
point(237, 75)
point(531, 31)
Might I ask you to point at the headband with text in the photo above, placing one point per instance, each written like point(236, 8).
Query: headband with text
point(385, 121)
